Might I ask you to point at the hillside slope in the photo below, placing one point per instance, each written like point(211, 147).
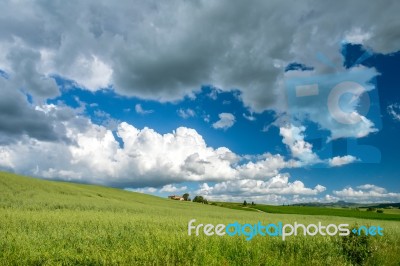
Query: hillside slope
point(58, 223)
point(26, 193)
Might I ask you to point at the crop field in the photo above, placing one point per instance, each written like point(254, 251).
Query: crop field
point(388, 214)
point(57, 223)
point(328, 211)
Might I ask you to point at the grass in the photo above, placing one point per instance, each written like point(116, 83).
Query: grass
point(57, 223)
point(391, 211)
point(342, 212)
point(388, 214)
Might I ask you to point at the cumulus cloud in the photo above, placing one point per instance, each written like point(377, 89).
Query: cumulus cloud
point(341, 160)
point(226, 120)
point(89, 72)
point(367, 193)
point(276, 186)
point(372, 188)
point(293, 137)
point(92, 154)
point(266, 165)
point(169, 188)
point(146, 157)
point(146, 190)
point(139, 109)
point(172, 189)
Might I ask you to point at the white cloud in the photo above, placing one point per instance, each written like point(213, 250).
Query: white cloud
point(330, 198)
point(367, 193)
point(90, 72)
point(226, 120)
point(357, 36)
point(172, 189)
point(139, 109)
point(146, 190)
point(265, 166)
point(149, 159)
point(169, 188)
point(341, 160)
point(146, 158)
point(92, 154)
point(372, 188)
point(186, 113)
point(394, 111)
point(293, 137)
point(276, 186)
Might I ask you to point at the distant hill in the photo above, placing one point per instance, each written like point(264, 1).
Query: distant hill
point(386, 205)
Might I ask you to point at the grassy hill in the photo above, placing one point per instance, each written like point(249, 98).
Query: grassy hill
point(58, 223)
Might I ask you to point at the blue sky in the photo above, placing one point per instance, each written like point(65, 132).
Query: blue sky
point(159, 108)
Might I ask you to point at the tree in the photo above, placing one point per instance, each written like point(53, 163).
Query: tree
point(198, 199)
point(244, 203)
point(185, 196)
point(252, 203)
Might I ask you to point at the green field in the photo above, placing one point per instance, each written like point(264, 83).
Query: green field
point(391, 211)
point(57, 223)
point(388, 214)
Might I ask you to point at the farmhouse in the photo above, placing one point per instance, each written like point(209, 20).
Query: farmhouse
point(174, 197)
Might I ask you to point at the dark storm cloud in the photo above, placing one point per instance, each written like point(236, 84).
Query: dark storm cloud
point(26, 76)
point(18, 118)
point(165, 50)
